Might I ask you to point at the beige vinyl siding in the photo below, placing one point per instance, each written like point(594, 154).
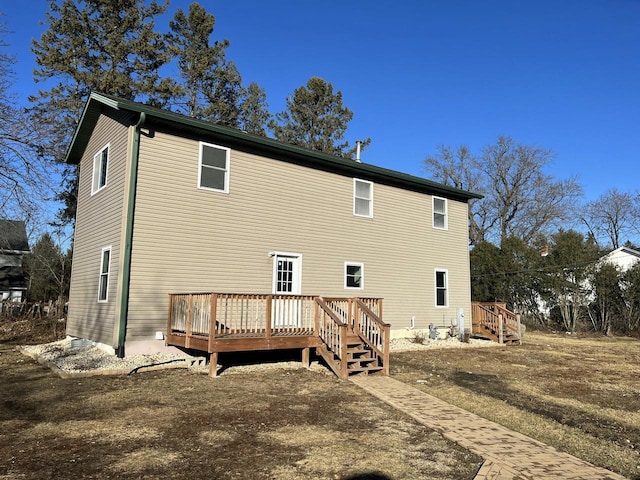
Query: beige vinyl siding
point(189, 240)
point(98, 225)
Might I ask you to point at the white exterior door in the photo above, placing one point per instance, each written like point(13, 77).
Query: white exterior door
point(287, 275)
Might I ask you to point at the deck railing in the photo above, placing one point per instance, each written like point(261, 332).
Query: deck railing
point(222, 314)
point(372, 329)
point(341, 307)
point(496, 318)
point(344, 307)
point(332, 330)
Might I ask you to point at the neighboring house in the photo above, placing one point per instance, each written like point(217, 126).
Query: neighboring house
point(13, 245)
point(171, 204)
point(624, 258)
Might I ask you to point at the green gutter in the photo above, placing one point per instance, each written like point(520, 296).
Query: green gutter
point(126, 270)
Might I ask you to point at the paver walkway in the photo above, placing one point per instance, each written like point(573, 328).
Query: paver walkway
point(508, 455)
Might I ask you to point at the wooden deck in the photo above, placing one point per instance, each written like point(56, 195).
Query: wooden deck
point(347, 332)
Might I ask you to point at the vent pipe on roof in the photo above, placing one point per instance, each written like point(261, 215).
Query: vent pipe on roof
point(358, 145)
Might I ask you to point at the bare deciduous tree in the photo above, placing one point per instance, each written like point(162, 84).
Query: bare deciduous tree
point(612, 217)
point(459, 168)
point(520, 201)
point(24, 179)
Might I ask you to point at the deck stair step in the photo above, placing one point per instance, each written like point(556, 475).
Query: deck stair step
point(508, 337)
point(357, 352)
point(364, 370)
point(359, 358)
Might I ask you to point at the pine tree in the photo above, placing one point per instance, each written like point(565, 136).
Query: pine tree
point(48, 269)
point(108, 46)
point(254, 113)
point(316, 119)
point(197, 60)
point(212, 85)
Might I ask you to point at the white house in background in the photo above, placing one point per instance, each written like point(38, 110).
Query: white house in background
point(623, 257)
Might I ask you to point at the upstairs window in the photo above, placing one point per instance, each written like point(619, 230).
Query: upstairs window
point(353, 275)
point(214, 168)
point(103, 283)
point(362, 198)
point(100, 165)
point(442, 296)
point(440, 213)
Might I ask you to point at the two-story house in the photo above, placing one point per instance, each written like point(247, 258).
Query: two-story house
point(170, 204)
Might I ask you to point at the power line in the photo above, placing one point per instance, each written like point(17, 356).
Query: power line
point(549, 269)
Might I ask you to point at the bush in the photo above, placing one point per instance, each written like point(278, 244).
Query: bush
point(419, 337)
point(22, 330)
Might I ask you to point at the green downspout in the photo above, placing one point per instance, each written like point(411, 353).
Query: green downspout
point(126, 271)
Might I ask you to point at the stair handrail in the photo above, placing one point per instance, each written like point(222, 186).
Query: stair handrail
point(496, 317)
point(484, 316)
point(333, 334)
point(511, 319)
point(373, 331)
point(365, 333)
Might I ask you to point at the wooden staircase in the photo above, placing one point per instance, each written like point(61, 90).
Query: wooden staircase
point(354, 340)
point(492, 321)
point(360, 359)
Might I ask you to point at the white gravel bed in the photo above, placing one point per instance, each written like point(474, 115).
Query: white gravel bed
point(69, 360)
point(410, 344)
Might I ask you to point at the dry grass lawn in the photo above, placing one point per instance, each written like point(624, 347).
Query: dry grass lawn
point(277, 424)
point(581, 395)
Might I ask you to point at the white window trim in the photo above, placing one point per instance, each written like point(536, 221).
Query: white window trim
point(446, 287)
point(227, 176)
point(297, 279)
point(104, 249)
point(356, 264)
point(446, 213)
point(370, 215)
point(97, 164)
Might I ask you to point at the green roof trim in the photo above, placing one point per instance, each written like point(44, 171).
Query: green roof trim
point(253, 143)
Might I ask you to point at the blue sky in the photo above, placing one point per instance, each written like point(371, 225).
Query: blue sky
point(560, 74)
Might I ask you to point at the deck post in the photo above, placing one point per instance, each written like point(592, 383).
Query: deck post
point(316, 317)
point(169, 321)
point(344, 374)
point(213, 320)
point(305, 357)
point(500, 330)
point(269, 307)
point(519, 326)
point(352, 315)
point(188, 326)
point(385, 357)
point(213, 364)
